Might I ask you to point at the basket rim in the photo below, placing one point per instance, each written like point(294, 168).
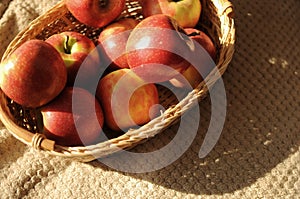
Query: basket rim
point(133, 136)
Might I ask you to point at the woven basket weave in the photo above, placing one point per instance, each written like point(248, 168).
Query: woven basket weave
point(216, 20)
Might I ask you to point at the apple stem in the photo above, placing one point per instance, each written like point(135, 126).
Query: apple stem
point(102, 3)
point(66, 46)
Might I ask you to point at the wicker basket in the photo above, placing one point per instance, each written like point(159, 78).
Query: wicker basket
point(216, 20)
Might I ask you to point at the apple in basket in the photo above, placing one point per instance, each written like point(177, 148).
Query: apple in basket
point(113, 40)
point(186, 12)
point(127, 100)
point(33, 74)
point(76, 48)
point(156, 48)
point(73, 118)
point(203, 39)
point(204, 60)
point(95, 13)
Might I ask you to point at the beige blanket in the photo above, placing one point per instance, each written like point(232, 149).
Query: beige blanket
point(257, 155)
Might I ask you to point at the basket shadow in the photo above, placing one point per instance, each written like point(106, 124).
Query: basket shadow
point(254, 140)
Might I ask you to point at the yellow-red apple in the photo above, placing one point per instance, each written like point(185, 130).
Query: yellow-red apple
point(186, 12)
point(75, 48)
point(127, 100)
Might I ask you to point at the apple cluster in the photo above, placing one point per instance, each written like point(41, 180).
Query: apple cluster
point(161, 47)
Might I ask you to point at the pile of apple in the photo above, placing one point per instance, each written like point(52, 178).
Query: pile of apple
point(41, 74)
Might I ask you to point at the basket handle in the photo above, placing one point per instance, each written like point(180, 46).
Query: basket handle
point(40, 141)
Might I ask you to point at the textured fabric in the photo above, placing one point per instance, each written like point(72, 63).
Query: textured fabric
point(257, 155)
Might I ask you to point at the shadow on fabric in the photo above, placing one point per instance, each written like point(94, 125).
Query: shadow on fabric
point(262, 123)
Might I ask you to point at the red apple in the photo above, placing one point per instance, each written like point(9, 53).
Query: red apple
point(113, 40)
point(127, 100)
point(203, 58)
point(96, 13)
point(33, 74)
point(186, 12)
point(75, 48)
point(74, 118)
point(203, 39)
point(156, 45)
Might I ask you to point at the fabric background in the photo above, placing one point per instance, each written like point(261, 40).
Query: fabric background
point(257, 156)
